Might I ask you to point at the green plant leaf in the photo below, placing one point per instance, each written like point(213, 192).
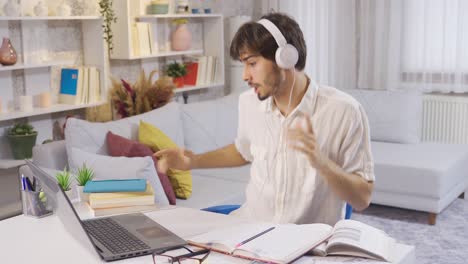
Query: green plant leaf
point(84, 175)
point(21, 129)
point(176, 69)
point(64, 179)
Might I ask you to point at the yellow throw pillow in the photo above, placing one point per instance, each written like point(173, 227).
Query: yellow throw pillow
point(153, 137)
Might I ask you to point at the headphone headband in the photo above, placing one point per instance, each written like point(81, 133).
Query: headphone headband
point(274, 31)
point(286, 56)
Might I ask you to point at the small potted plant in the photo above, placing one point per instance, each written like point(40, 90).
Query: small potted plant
point(177, 71)
point(64, 181)
point(22, 138)
point(83, 175)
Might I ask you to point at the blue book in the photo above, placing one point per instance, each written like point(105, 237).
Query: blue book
point(69, 81)
point(70, 86)
point(105, 186)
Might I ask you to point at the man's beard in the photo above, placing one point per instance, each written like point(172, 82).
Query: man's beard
point(272, 80)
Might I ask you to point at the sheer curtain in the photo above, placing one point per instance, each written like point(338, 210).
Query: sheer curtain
point(329, 28)
point(420, 44)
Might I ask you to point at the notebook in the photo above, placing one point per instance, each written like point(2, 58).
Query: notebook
point(270, 243)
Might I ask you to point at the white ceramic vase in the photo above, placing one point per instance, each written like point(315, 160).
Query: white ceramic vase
point(69, 194)
point(12, 8)
point(41, 9)
point(82, 196)
point(63, 9)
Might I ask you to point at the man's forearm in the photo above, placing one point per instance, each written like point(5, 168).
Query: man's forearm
point(227, 156)
point(349, 187)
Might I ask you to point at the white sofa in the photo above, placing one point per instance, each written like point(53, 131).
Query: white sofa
point(409, 174)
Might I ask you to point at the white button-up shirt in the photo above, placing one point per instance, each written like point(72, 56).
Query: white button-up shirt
point(283, 185)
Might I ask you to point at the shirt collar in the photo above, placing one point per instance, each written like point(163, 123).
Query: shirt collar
point(306, 105)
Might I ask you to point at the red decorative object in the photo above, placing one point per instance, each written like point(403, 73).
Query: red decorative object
point(191, 77)
point(179, 81)
point(7, 53)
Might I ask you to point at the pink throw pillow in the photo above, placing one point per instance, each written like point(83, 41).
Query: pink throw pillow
point(120, 146)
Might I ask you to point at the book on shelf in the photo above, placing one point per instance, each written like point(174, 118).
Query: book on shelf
point(69, 86)
point(210, 70)
point(85, 86)
point(79, 85)
point(191, 77)
point(121, 199)
point(94, 85)
point(135, 41)
point(284, 243)
point(122, 210)
point(201, 74)
point(144, 42)
point(353, 238)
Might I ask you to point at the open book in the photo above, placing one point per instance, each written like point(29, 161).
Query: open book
point(265, 242)
point(353, 238)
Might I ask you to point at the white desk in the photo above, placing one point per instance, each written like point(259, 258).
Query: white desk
point(29, 240)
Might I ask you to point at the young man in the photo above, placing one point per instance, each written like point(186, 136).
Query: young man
point(309, 145)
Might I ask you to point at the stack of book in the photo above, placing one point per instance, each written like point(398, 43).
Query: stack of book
point(201, 70)
point(119, 202)
point(80, 85)
point(143, 41)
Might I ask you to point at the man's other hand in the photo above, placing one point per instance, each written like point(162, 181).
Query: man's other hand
point(174, 158)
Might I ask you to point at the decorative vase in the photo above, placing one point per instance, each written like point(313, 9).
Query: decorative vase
point(7, 53)
point(22, 146)
point(82, 196)
point(181, 38)
point(182, 7)
point(179, 82)
point(63, 9)
point(12, 8)
point(41, 9)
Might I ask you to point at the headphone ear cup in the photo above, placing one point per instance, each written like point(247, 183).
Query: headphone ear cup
point(286, 57)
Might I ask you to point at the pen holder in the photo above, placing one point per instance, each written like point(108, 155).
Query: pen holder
point(35, 204)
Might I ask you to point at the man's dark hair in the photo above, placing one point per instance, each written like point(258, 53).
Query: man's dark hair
point(253, 37)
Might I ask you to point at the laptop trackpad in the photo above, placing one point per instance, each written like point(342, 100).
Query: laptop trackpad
point(144, 227)
point(152, 232)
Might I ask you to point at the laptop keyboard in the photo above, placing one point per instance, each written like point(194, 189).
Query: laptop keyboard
point(112, 235)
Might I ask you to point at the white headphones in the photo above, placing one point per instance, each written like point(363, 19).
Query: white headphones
point(286, 56)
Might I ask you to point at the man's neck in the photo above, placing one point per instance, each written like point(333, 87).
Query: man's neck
point(300, 87)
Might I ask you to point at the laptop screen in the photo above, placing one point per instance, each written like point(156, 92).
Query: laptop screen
point(63, 207)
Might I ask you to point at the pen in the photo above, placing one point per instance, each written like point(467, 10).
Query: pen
point(257, 235)
point(23, 187)
point(29, 184)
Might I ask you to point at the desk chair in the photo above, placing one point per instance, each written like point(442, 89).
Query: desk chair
point(227, 208)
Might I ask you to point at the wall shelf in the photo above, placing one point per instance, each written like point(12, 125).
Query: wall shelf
point(30, 66)
point(207, 31)
point(162, 55)
point(10, 163)
point(42, 77)
point(148, 17)
point(189, 88)
point(29, 18)
point(41, 111)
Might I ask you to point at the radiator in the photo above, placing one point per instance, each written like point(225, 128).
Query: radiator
point(445, 118)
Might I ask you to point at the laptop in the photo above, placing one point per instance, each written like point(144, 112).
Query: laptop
point(113, 238)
